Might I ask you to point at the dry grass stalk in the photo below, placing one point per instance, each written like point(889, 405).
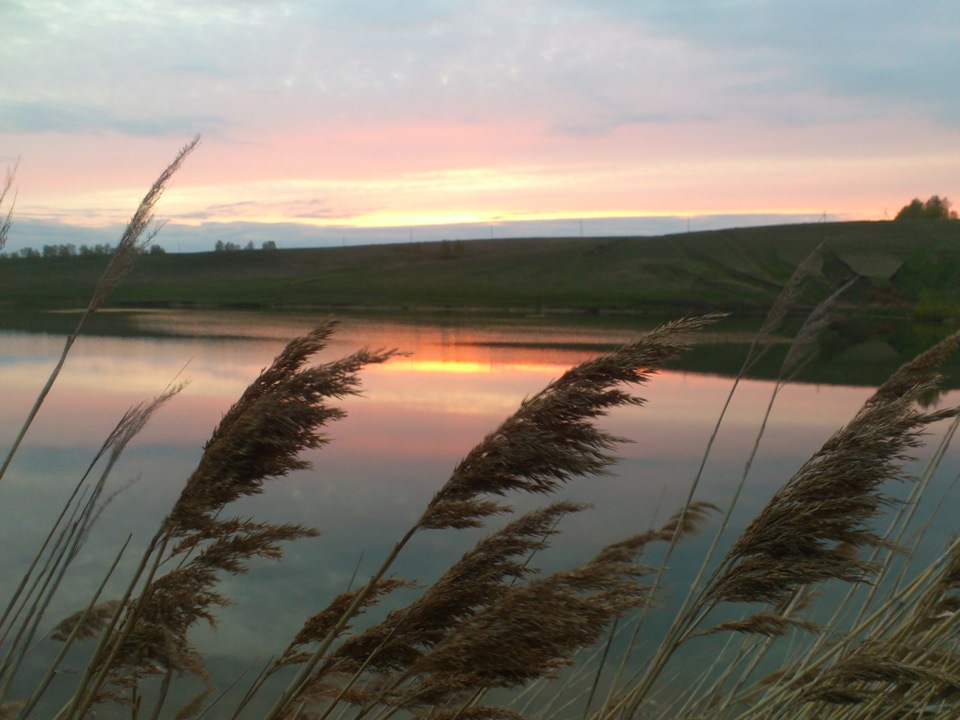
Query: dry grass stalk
point(478, 712)
point(83, 517)
point(319, 626)
point(805, 345)
point(176, 601)
point(886, 671)
point(937, 609)
point(689, 520)
point(534, 629)
point(7, 221)
point(476, 581)
point(132, 242)
point(908, 657)
point(805, 534)
point(787, 299)
point(70, 532)
point(686, 521)
point(924, 369)
point(87, 624)
point(195, 705)
point(767, 624)
point(134, 420)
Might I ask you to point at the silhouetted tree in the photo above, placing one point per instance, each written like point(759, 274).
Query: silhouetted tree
point(935, 208)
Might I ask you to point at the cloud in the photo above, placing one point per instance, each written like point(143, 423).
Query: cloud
point(294, 210)
point(34, 117)
point(891, 55)
point(576, 66)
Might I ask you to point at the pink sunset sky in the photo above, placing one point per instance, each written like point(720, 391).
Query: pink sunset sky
point(329, 121)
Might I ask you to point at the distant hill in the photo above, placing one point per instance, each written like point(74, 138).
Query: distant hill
point(905, 267)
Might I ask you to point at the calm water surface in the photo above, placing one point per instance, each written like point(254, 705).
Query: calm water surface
point(417, 417)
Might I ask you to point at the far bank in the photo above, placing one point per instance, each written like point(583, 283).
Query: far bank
point(904, 268)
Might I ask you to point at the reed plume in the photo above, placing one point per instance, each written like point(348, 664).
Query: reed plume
point(786, 301)
point(533, 629)
point(263, 434)
point(551, 438)
point(139, 232)
point(476, 581)
point(261, 437)
point(390, 648)
point(136, 237)
point(85, 624)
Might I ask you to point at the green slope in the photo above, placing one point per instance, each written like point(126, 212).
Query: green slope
point(906, 266)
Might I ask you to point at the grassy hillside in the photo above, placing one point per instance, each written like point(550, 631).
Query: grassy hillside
point(906, 267)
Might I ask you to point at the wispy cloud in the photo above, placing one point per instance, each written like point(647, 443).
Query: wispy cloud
point(44, 117)
point(882, 50)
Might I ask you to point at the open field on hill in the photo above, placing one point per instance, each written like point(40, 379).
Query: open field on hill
point(906, 267)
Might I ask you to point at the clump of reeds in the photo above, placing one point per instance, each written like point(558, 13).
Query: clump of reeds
point(258, 439)
point(550, 440)
point(813, 531)
point(27, 604)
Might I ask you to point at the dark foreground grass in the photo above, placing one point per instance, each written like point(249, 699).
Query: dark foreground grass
point(904, 267)
point(491, 631)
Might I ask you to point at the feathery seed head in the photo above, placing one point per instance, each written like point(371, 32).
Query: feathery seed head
point(551, 439)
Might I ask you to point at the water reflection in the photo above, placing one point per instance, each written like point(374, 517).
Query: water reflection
point(417, 417)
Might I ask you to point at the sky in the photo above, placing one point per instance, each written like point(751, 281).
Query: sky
point(347, 121)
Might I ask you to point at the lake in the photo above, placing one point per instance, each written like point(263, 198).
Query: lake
point(417, 416)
